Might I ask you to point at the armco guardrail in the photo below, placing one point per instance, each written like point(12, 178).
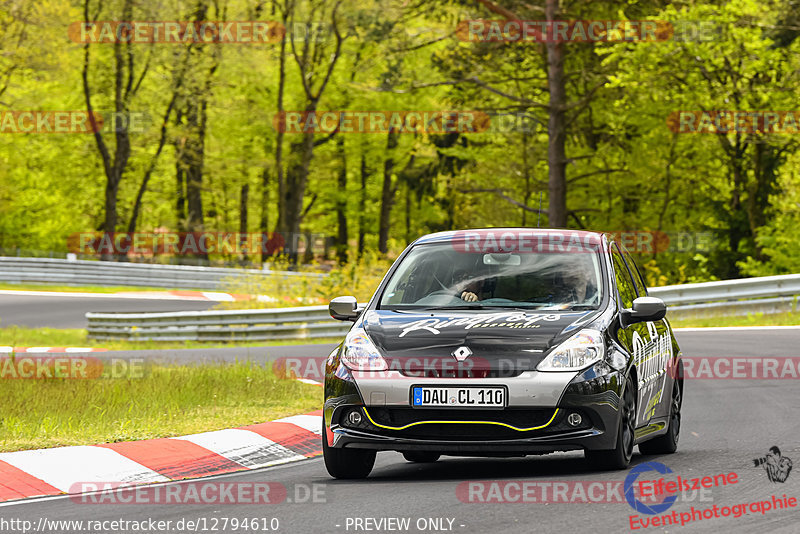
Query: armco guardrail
point(744, 288)
point(224, 325)
point(765, 294)
point(108, 273)
point(769, 294)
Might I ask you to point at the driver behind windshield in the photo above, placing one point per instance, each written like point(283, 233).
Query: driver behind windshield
point(578, 286)
point(466, 287)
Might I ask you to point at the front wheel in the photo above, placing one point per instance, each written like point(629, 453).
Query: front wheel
point(346, 463)
point(620, 456)
point(667, 443)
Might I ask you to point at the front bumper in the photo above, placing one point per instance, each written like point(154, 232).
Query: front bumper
point(517, 430)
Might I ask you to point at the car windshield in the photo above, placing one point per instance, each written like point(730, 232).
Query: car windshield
point(443, 276)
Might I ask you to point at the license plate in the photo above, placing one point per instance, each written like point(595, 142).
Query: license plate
point(466, 397)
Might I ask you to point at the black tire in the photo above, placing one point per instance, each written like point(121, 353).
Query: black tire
point(422, 457)
point(620, 456)
point(667, 443)
point(347, 463)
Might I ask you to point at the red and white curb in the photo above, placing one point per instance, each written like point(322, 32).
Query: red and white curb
point(42, 472)
point(211, 296)
point(309, 381)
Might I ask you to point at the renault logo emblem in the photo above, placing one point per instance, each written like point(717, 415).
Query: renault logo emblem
point(462, 353)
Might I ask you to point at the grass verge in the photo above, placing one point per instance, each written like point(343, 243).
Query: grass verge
point(17, 336)
point(754, 319)
point(167, 401)
point(81, 289)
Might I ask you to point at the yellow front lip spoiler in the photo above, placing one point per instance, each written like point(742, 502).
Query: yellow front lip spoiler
point(461, 423)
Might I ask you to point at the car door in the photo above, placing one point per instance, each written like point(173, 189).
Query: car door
point(661, 346)
point(640, 340)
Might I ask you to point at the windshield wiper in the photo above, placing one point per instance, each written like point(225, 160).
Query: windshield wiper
point(481, 307)
point(460, 307)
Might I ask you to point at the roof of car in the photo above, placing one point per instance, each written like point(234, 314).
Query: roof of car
point(452, 235)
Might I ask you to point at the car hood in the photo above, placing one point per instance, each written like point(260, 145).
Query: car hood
point(495, 338)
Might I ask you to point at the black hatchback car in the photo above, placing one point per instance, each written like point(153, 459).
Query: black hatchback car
point(503, 342)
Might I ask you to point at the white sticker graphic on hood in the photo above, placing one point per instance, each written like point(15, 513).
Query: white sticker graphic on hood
point(509, 320)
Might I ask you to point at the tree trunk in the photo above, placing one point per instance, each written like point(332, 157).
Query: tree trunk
point(408, 213)
point(263, 223)
point(189, 165)
point(193, 159)
point(278, 148)
point(291, 208)
point(245, 193)
point(341, 206)
point(526, 173)
point(556, 127)
point(110, 223)
point(177, 87)
point(387, 195)
point(362, 205)
point(180, 203)
point(137, 205)
point(309, 59)
point(113, 166)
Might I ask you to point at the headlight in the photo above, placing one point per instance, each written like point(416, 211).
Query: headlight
point(581, 350)
point(360, 354)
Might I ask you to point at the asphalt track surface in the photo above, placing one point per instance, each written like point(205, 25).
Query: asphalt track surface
point(726, 424)
point(59, 311)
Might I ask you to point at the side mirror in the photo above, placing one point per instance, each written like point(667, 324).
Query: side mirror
point(344, 308)
point(644, 309)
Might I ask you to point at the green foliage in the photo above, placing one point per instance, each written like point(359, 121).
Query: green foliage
point(627, 171)
point(359, 278)
point(18, 336)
